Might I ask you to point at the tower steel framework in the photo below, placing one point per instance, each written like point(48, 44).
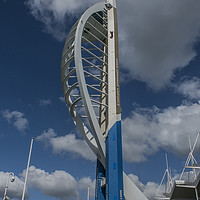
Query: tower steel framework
point(91, 87)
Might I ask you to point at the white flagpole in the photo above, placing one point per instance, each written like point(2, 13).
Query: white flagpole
point(26, 176)
point(88, 196)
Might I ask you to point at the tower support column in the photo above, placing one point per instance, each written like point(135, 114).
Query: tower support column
point(100, 179)
point(114, 168)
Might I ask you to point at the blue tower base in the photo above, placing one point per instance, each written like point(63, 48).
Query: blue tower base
point(114, 166)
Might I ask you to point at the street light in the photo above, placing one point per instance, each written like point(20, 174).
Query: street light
point(12, 179)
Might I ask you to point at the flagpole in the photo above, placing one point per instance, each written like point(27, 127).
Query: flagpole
point(88, 195)
point(27, 169)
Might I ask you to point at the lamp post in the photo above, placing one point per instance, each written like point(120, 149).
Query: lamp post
point(12, 179)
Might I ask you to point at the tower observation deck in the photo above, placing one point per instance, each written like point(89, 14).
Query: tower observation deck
point(91, 87)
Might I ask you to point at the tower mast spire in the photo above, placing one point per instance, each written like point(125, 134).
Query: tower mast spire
point(112, 2)
point(114, 165)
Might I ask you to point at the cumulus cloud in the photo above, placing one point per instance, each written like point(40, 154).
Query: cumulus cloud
point(189, 88)
point(15, 188)
point(157, 37)
point(66, 144)
point(59, 184)
point(44, 102)
point(46, 137)
point(148, 130)
point(17, 119)
point(55, 14)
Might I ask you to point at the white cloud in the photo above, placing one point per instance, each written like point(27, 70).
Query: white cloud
point(59, 184)
point(189, 88)
point(14, 188)
point(45, 102)
point(67, 144)
point(148, 130)
point(54, 14)
point(17, 119)
point(46, 136)
point(157, 37)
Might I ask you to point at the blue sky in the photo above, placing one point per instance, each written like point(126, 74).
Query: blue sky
point(160, 91)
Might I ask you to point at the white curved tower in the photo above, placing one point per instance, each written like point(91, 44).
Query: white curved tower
point(81, 74)
point(91, 87)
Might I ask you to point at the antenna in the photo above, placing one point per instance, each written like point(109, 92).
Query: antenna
point(190, 159)
point(167, 176)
